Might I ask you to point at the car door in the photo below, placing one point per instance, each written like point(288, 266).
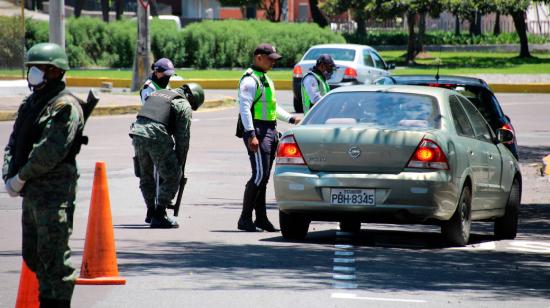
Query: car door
point(380, 66)
point(473, 158)
point(369, 68)
point(491, 192)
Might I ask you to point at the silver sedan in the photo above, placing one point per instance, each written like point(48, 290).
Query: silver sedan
point(397, 154)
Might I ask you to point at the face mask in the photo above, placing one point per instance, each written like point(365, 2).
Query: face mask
point(35, 76)
point(161, 82)
point(327, 75)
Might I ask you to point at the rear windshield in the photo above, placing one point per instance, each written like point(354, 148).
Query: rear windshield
point(377, 109)
point(340, 54)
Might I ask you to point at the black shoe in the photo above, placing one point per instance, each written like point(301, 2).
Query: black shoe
point(265, 225)
point(247, 226)
point(149, 216)
point(164, 222)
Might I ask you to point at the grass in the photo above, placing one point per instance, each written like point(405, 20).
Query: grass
point(457, 63)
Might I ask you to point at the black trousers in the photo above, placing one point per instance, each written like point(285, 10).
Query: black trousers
point(261, 162)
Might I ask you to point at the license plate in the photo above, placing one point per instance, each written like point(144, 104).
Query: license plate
point(352, 196)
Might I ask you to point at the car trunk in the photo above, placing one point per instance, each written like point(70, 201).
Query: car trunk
point(337, 75)
point(356, 149)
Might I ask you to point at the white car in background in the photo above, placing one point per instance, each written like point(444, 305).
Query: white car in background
point(357, 64)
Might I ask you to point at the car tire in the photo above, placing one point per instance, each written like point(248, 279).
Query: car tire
point(456, 231)
point(350, 225)
point(293, 226)
point(298, 107)
point(506, 227)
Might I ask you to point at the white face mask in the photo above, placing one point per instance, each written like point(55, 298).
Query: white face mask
point(35, 76)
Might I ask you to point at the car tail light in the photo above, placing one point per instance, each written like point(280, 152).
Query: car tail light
point(297, 72)
point(508, 127)
point(428, 155)
point(350, 73)
point(442, 85)
point(288, 152)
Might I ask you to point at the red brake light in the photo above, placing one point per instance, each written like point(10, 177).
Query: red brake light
point(288, 152)
point(428, 155)
point(442, 85)
point(508, 127)
point(350, 73)
point(297, 72)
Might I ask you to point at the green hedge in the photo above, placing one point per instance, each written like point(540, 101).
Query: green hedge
point(377, 38)
point(207, 44)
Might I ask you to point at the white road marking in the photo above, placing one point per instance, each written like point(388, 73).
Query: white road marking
point(354, 296)
point(530, 246)
point(344, 285)
point(480, 246)
point(343, 277)
point(344, 260)
point(343, 253)
point(343, 246)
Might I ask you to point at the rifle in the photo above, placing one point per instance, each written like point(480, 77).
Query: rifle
point(183, 181)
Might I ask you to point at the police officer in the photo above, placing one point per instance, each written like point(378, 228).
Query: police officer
point(40, 166)
point(163, 69)
point(257, 126)
point(160, 136)
point(314, 83)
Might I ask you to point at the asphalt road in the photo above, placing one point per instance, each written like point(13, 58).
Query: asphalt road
point(208, 263)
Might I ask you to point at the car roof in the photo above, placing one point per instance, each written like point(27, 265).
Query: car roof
point(440, 93)
point(346, 46)
point(419, 79)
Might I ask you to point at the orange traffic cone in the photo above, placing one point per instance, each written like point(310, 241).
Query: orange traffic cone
point(27, 295)
point(99, 263)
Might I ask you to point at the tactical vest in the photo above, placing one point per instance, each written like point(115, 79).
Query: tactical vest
point(322, 86)
point(29, 133)
point(264, 107)
point(158, 106)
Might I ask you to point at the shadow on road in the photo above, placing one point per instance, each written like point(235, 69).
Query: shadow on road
point(532, 154)
point(386, 261)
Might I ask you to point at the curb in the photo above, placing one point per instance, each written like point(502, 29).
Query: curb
point(231, 84)
point(128, 109)
point(546, 165)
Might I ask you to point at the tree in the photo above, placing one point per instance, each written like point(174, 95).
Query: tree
point(105, 10)
point(316, 14)
point(359, 10)
point(516, 9)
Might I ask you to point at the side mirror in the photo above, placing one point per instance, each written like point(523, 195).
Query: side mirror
point(390, 66)
point(505, 135)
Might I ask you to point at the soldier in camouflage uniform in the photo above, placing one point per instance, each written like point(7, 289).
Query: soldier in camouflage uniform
point(160, 137)
point(40, 166)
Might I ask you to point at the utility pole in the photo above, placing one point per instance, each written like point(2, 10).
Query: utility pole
point(22, 30)
point(142, 61)
point(57, 22)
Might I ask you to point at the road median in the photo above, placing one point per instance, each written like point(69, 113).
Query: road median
point(8, 115)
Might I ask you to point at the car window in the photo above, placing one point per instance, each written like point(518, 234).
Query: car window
point(485, 103)
point(377, 109)
point(338, 54)
point(378, 62)
point(481, 129)
point(367, 59)
point(384, 81)
point(460, 119)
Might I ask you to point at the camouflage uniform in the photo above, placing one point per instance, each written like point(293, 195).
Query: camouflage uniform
point(154, 146)
point(49, 194)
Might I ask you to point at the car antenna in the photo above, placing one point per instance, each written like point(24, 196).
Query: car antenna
point(438, 65)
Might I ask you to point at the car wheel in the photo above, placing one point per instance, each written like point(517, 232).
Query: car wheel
point(298, 107)
point(456, 231)
point(293, 226)
point(506, 227)
point(351, 225)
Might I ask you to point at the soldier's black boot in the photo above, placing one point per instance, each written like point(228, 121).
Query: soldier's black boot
point(245, 221)
point(149, 216)
point(161, 220)
point(261, 213)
